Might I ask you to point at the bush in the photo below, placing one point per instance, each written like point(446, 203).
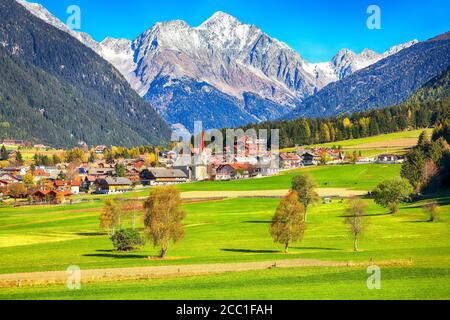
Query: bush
point(127, 240)
point(433, 211)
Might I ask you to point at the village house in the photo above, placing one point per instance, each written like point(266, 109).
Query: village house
point(388, 159)
point(364, 160)
point(41, 174)
point(162, 176)
point(308, 158)
point(14, 171)
point(113, 185)
point(101, 172)
point(60, 184)
point(4, 186)
point(234, 171)
point(290, 160)
point(266, 170)
point(100, 149)
point(50, 196)
point(337, 156)
point(75, 187)
point(8, 178)
point(13, 143)
point(88, 183)
point(138, 164)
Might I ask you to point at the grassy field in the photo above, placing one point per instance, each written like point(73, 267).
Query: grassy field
point(397, 143)
point(236, 230)
point(359, 177)
point(29, 153)
point(418, 283)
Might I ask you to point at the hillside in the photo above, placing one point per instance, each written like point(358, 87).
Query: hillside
point(388, 82)
point(56, 91)
point(427, 106)
point(224, 72)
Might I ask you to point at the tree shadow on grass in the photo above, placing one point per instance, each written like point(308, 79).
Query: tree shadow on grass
point(250, 251)
point(257, 222)
point(91, 234)
point(317, 248)
point(116, 255)
point(368, 215)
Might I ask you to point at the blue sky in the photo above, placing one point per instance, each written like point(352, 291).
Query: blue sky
point(317, 29)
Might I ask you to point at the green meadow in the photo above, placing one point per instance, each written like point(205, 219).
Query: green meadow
point(353, 177)
point(397, 143)
point(236, 230)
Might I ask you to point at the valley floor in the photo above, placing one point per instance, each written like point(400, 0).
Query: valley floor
point(227, 252)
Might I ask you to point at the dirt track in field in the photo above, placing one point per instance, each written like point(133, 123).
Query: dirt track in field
point(323, 192)
point(139, 273)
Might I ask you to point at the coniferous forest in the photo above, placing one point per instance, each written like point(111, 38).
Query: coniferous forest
point(428, 107)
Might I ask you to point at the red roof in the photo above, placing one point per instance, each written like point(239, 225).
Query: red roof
point(41, 172)
point(60, 183)
point(290, 156)
point(241, 166)
point(43, 192)
point(75, 183)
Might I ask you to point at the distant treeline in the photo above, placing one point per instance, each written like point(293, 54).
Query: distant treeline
point(428, 107)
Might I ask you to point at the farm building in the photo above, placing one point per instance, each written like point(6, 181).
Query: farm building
point(389, 159)
point(111, 185)
point(6, 177)
point(234, 171)
point(290, 160)
point(309, 158)
point(162, 176)
point(51, 196)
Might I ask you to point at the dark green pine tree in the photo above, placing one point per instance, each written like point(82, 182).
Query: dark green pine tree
point(3, 153)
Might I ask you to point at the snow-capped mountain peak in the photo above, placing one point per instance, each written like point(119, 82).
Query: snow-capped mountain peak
point(346, 62)
point(220, 18)
point(222, 54)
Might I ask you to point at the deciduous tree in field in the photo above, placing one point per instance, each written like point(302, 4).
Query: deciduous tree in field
point(305, 186)
point(163, 218)
point(391, 193)
point(356, 220)
point(16, 190)
point(110, 217)
point(288, 224)
point(132, 208)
